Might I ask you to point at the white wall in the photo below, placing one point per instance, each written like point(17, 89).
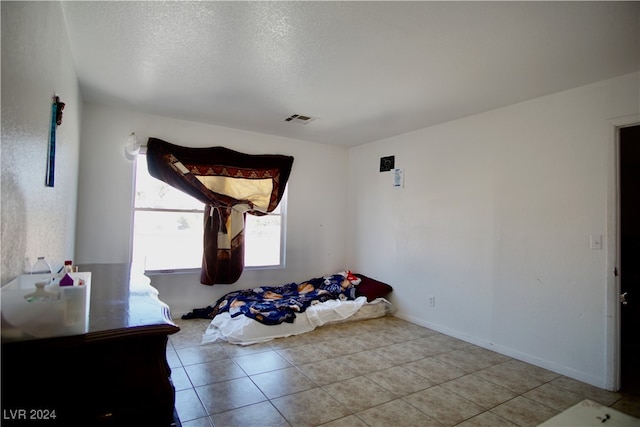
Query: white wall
point(36, 62)
point(317, 199)
point(495, 221)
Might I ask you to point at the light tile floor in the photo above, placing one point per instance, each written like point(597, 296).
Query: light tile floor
point(379, 372)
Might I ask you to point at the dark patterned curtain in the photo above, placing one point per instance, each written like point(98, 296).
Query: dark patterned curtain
point(230, 184)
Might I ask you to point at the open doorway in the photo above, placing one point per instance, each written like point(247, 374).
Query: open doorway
point(629, 256)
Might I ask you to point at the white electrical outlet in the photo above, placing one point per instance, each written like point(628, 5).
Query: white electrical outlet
point(431, 301)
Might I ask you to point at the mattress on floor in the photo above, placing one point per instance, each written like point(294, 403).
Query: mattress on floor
point(245, 331)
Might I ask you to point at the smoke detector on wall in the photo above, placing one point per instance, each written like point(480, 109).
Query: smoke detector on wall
point(300, 119)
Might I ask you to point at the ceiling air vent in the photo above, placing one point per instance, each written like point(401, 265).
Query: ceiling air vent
point(300, 119)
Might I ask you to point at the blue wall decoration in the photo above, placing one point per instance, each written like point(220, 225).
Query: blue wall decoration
point(56, 120)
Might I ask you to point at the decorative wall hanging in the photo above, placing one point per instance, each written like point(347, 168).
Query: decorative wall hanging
point(230, 184)
point(387, 163)
point(56, 120)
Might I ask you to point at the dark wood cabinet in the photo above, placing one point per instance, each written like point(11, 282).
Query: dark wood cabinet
point(115, 374)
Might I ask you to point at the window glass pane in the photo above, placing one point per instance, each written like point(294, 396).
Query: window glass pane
point(262, 240)
point(153, 193)
point(167, 240)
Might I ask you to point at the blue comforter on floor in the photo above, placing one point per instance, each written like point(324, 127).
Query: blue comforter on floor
point(272, 305)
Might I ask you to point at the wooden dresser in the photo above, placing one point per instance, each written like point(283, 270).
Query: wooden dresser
point(115, 374)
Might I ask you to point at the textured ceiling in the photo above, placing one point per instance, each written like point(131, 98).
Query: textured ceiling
point(364, 70)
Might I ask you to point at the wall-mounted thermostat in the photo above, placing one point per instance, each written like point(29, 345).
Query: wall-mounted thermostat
point(398, 178)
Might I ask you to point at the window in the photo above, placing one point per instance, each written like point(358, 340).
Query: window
point(167, 229)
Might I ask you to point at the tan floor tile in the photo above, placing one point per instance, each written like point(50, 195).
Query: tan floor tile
point(522, 368)
point(359, 393)
point(489, 356)
point(191, 325)
point(188, 405)
point(392, 321)
point(452, 343)
point(213, 372)
point(172, 359)
point(389, 336)
point(443, 405)
point(345, 345)
point(201, 354)
point(340, 330)
point(629, 404)
point(396, 413)
point(310, 407)
point(282, 382)
point(517, 382)
point(180, 379)
point(256, 415)
point(554, 397)
point(327, 371)
point(397, 334)
point(524, 412)
point(291, 341)
point(479, 391)
point(261, 362)
point(366, 326)
point(366, 361)
point(486, 419)
point(399, 353)
point(348, 421)
point(374, 340)
point(399, 380)
point(588, 391)
point(411, 331)
point(464, 360)
point(435, 370)
point(306, 353)
point(198, 422)
point(383, 323)
point(227, 395)
point(427, 346)
point(184, 339)
point(321, 334)
point(234, 350)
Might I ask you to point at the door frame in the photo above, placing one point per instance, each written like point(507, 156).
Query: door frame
point(612, 309)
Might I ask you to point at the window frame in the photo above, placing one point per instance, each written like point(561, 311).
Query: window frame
point(282, 207)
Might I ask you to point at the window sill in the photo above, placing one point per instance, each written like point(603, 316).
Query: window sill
point(171, 271)
point(178, 271)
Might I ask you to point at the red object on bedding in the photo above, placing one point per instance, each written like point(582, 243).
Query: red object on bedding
point(372, 288)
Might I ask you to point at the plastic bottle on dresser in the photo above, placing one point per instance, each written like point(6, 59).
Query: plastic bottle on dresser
point(41, 266)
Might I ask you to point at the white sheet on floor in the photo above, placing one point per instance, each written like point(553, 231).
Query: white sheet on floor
point(590, 413)
point(245, 331)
